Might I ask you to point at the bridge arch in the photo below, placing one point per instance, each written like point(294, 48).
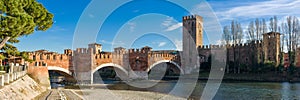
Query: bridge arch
point(55, 68)
point(120, 72)
point(108, 65)
point(165, 61)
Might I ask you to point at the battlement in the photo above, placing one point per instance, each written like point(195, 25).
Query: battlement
point(253, 43)
point(47, 56)
point(83, 50)
point(211, 46)
point(191, 17)
point(160, 55)
point(45, 53)
point(120, 49)
point(103, 56)
point(68, 51)
point(138, 51)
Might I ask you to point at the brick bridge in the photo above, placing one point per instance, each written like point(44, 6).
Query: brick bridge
point(82, 63)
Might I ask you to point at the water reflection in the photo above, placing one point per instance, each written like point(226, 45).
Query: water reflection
point(290, 91)
point(286, 90)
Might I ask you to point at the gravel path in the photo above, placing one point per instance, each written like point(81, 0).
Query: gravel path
point(59, 94)
point(105, 94)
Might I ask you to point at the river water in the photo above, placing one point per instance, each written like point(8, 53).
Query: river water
point(230, 90)
point(254, 91)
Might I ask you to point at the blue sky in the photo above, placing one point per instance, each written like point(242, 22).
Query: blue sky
point(132, 26)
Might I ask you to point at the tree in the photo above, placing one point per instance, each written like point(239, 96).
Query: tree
point(226, 35)
point(251, 31)
point(233, 34)
point(290, 30)
point(273, 24)
point(227, 39)
point(258, 29)
point(21, 18)
point(264, 26)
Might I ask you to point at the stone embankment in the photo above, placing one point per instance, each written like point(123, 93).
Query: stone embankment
point(21, 88)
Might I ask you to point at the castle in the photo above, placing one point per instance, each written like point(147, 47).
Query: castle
point(138, 62)
point(248, 54)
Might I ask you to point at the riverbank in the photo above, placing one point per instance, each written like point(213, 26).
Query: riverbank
point(25, 88)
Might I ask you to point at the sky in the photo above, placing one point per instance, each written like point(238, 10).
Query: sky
point(154, 23)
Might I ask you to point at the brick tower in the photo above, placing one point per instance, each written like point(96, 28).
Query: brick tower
point(192, 38)
point(271, 46)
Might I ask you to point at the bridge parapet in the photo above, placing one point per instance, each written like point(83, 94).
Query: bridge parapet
point(46, 58)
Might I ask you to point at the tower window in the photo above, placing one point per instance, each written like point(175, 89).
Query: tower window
point(41, 57)
point(48, 57)
point(33, 57)
point(193, 24)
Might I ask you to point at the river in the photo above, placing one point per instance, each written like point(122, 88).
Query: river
point(229, 90)
point(254, 91)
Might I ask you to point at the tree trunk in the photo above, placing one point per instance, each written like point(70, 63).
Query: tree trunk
point(4, 41)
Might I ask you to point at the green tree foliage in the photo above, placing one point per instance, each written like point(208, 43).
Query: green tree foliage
point(21, 18)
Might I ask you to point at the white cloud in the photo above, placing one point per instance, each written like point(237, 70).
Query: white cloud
point(262, 9)
point(162, 44)
point(170, 24)
point(114, 43)
point(220, 42)
point(118, 44)
point(56, 28)
point(132, 26)
point(174, 27)
point(105, 42)
point(91, 16)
